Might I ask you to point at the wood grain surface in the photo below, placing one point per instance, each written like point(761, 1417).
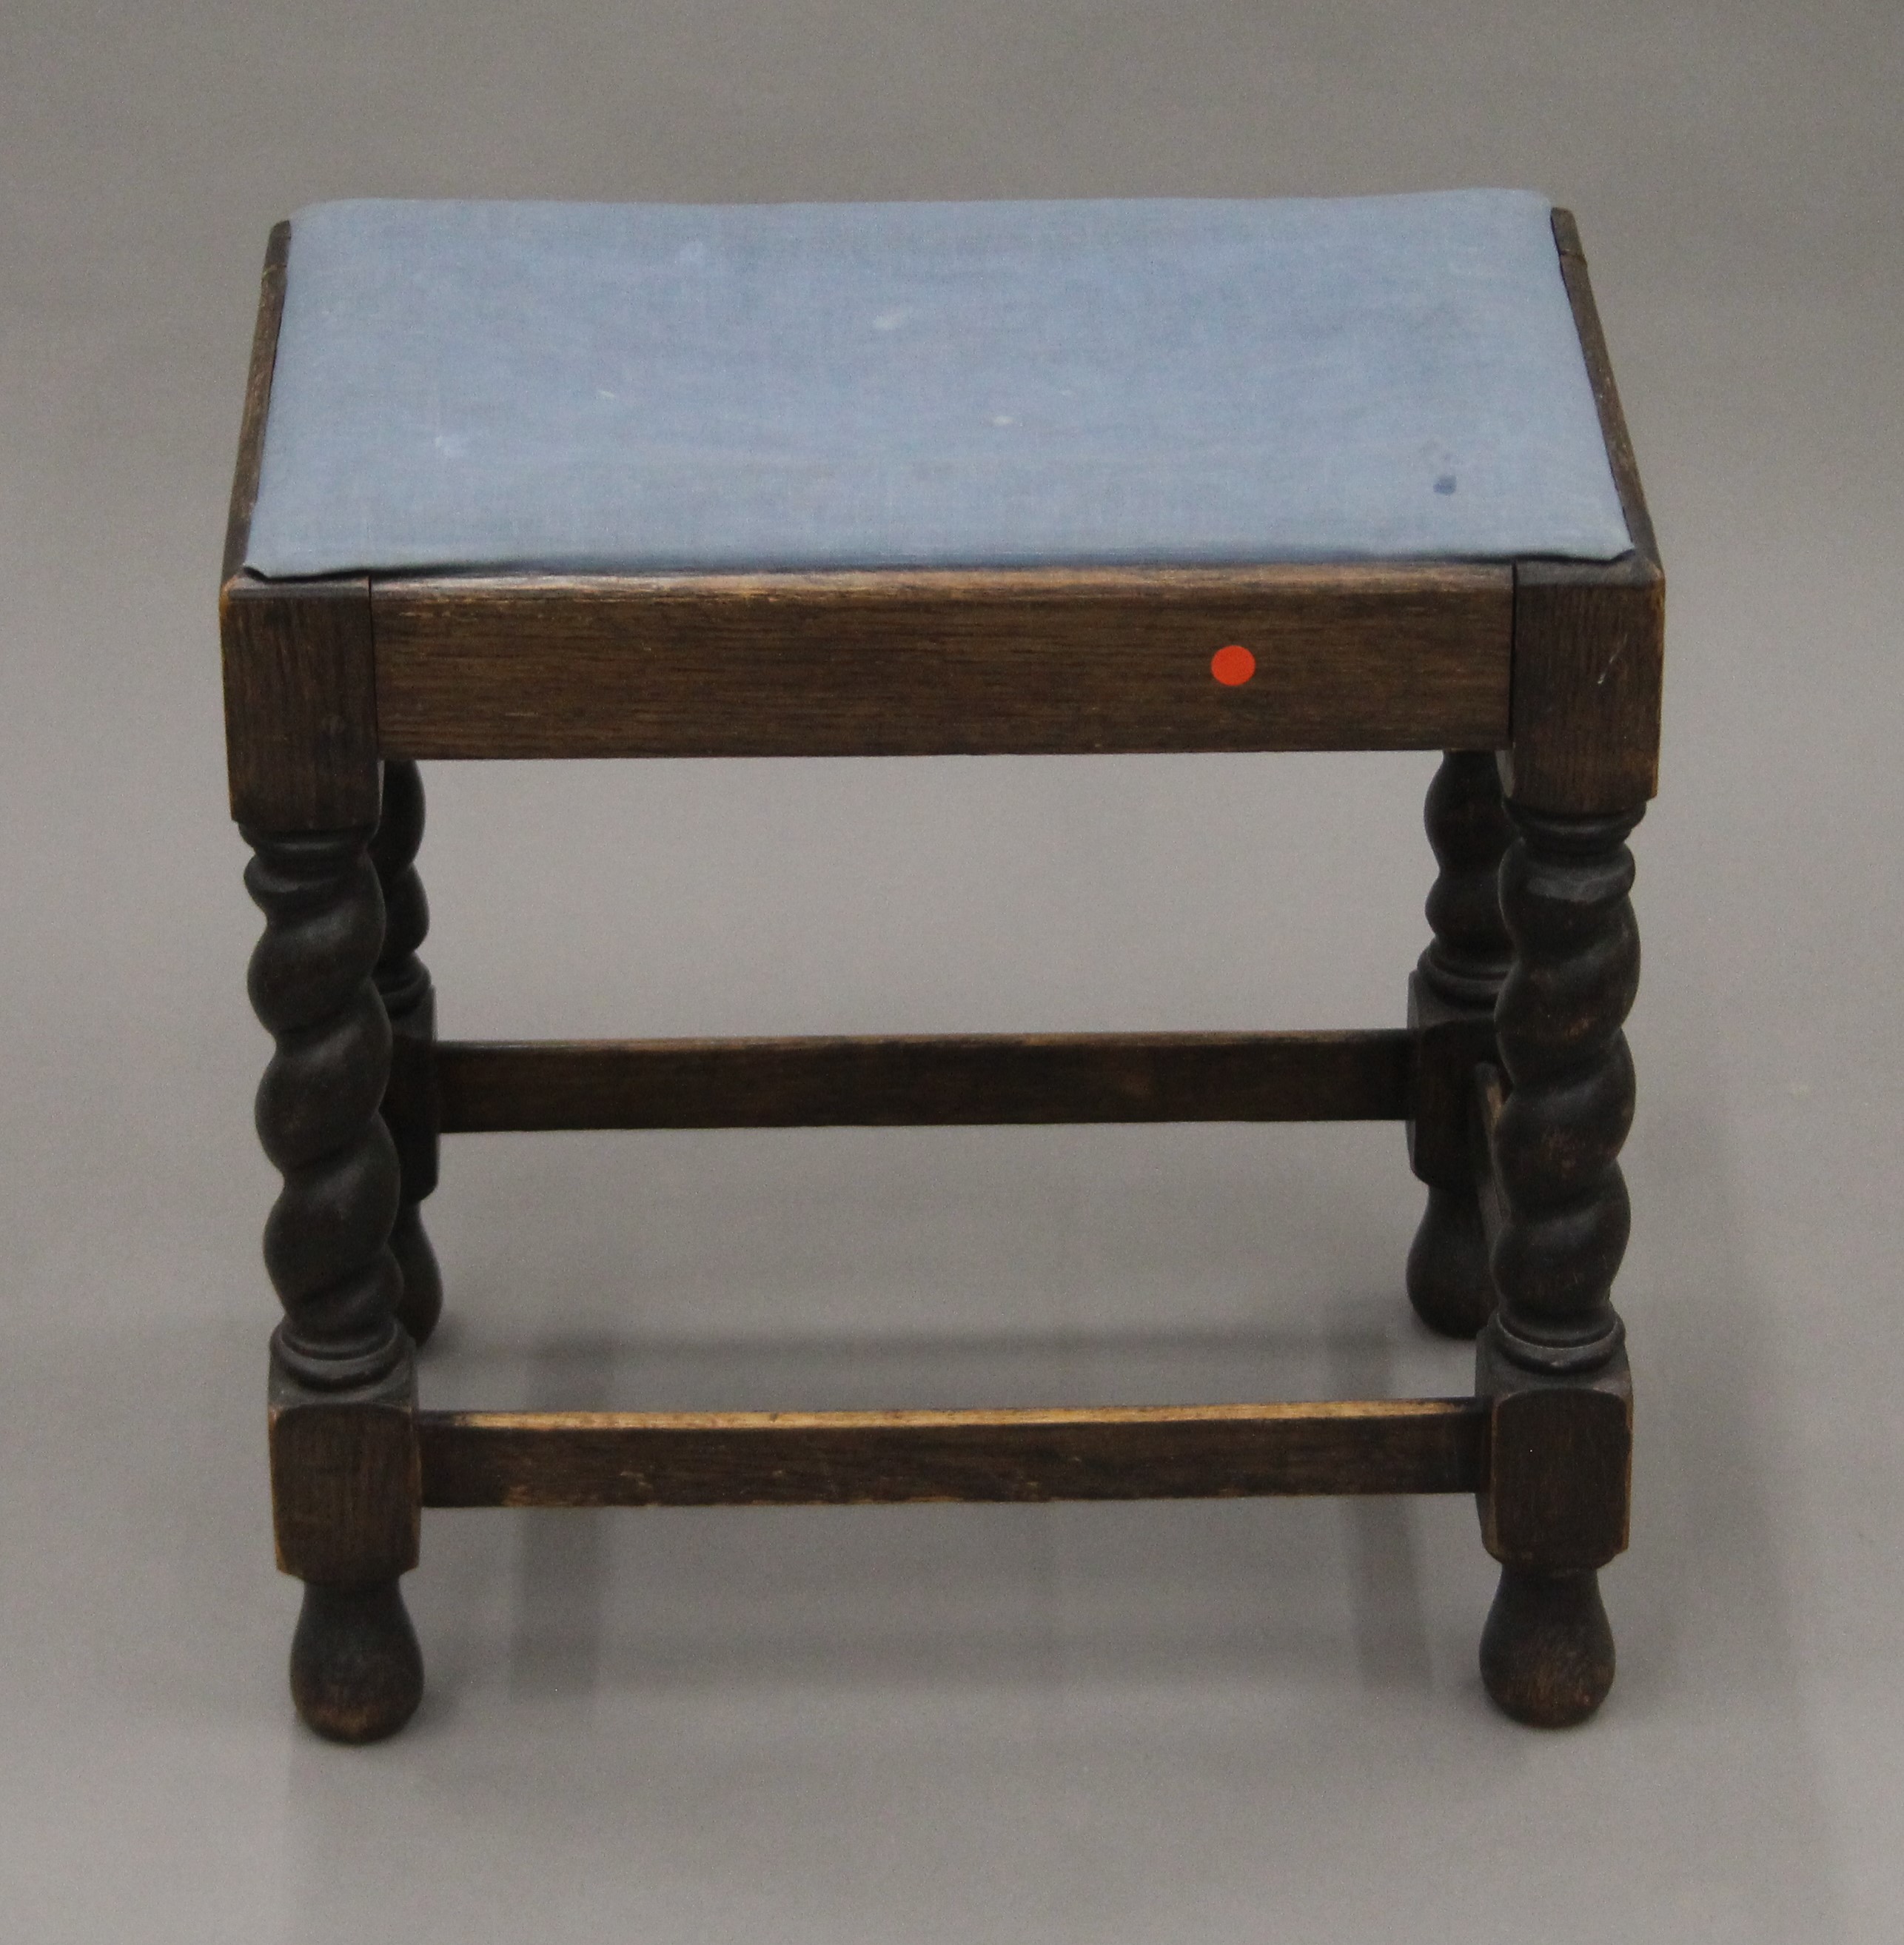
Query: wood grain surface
point(257, 401)
point(300, 704)
point(344, 1482)
point(1558, 1492)
point(299, 681)
point(1606, 392)
point(692, 1458)
point(1589, 641)
point(905, 1081)
point(1360, 657)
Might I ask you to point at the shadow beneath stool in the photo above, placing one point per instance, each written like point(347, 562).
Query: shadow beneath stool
point(1391, 1627)
point(563, 1569)
point(993, 1594)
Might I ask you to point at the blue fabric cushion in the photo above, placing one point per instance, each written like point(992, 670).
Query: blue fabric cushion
point(590, 386)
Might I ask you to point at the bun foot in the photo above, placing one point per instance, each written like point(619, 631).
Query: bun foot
point(422, 1302)
point(357, 1671)
point(1547, 1651)
point(1449, 1281)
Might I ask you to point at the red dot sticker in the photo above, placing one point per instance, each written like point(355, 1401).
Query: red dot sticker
point(1234, 666)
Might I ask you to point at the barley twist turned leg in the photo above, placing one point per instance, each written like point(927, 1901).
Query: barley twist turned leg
point(342, 1436)
point(403, 983)
point(1552, 1357)
point(1451, 997)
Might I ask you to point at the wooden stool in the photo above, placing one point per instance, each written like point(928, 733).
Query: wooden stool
point(567, 480)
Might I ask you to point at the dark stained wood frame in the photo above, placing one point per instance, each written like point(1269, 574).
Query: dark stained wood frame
point(1554, 665)
point(1589, 640)
point(1489, 1085)
point(1026, 662)
point(300, 659)
point(861, 1458)
point(966, 1080)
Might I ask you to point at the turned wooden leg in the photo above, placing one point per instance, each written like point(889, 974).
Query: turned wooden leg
point(345, 1488)
point(1451, 997)
point(403, 984)
point(1552, 1357)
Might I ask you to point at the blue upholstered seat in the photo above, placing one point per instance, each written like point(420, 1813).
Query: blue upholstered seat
point(584, 387)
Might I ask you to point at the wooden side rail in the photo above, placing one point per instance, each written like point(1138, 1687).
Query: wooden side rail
point(1355, 655)
point(860, 1458)
point(966, 1080)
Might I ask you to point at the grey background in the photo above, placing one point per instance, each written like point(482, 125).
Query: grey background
point(1221, 1721)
